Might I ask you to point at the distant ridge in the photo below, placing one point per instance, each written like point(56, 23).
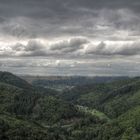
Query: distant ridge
point(9, 78)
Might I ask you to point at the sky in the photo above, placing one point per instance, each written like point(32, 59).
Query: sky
point(70, 37)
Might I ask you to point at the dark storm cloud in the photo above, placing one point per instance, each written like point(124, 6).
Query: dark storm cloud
point(47, 8)
point(33, 18)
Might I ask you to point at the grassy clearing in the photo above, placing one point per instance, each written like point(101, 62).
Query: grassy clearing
point(93, 112)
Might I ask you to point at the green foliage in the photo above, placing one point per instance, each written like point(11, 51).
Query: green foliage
point(107, 111)
point(8, 78)
point(108, 98)
point(7, 94)
point(53, 110)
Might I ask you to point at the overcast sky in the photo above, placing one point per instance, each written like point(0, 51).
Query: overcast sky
point(70, 37)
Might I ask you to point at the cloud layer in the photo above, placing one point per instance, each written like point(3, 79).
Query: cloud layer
point(71, 30)
point(74, 46)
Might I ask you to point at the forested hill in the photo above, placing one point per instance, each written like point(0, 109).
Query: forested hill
point(9, 78)
point(20, 108)
point(111, 98)
point(105, 111)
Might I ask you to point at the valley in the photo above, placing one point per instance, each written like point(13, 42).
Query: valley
point(104, 108)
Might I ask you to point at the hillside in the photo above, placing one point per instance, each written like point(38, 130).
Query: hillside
point(29, 114)
point(118, 100)
point(105, 111)
point(9, 78)
point(108, 98)
point(32, 104)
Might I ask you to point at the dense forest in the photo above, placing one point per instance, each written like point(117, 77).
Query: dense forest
point(106, 110)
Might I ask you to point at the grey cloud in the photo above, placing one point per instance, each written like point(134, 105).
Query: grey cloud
point(18, 47)
point(126, 49)
point(54, 18)
point(49, 20)
point(81, 47)
point(69, 45)
point(18, 27)
point(33, 48)
point(34, 45)
point(44, 66)
point(38, 8)
point(132, 49)
point(36, 48)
